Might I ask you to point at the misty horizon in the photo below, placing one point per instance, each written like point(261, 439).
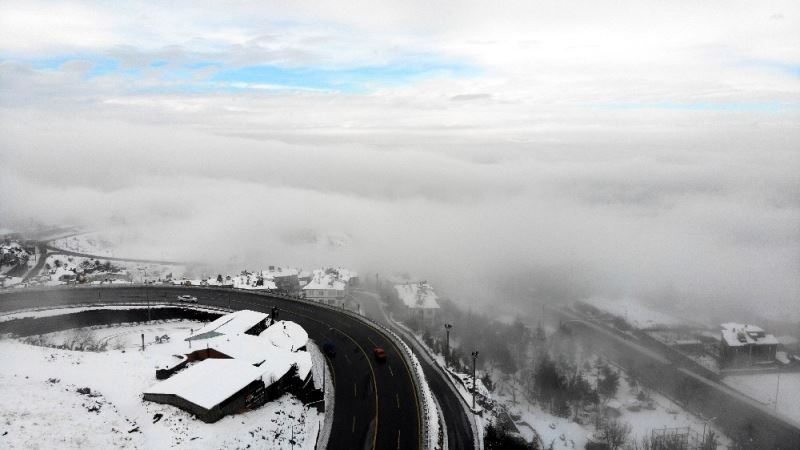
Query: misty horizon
point(514, 157)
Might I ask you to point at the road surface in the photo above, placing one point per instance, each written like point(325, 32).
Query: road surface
point(376, 405)
point(459, 431)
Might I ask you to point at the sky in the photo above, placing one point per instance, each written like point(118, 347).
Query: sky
point(509, 153)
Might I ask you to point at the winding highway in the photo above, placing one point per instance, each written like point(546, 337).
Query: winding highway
point(459, 430)
point(376, 403)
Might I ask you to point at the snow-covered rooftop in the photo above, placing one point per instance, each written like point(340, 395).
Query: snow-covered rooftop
point(417, 295)
point(274, 361)
point(737, 334)
point(285, 334)
point(230, 324)
point(251, 282)
point(210, 382)
point(279, 272)
point(325, 282)
point(244, 347)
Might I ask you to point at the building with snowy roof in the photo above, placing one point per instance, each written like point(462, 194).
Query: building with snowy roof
point(210, 389)
point(419, 299)
point(235, 369)
point(285, 279)
point(243, 321)
point(326, 288)
point(745, 345)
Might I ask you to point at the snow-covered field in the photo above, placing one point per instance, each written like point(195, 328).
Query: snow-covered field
point(42, 407)
point(763, 387)
point(89, 243)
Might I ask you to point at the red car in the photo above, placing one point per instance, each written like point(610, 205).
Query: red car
point(380, 354)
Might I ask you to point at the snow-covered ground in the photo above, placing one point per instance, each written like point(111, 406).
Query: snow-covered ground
point(89, 243)
point(634, 312)
point(42, 407)
point(565, 433)
point(763, 387)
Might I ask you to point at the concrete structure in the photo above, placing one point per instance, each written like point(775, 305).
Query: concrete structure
point(745, 345)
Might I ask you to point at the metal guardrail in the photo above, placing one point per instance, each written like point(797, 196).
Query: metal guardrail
point(476, 430)
point(430, 439)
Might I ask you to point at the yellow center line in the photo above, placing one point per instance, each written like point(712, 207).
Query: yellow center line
point(391, 371)
point(398, 439)
point(397, 396)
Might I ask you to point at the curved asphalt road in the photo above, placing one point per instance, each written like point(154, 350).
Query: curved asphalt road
point(376, 403)
point(459, 431)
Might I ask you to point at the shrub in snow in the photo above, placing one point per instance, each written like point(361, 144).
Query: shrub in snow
point(616, 433)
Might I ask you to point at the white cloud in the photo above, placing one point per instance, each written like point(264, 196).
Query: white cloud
point(534, 180)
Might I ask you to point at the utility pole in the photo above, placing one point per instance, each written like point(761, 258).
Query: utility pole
point(474, 386)
point(447, 328)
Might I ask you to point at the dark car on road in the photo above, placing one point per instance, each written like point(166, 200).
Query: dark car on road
point(380, 354)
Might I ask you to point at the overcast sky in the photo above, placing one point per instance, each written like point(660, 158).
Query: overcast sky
point(513, 150)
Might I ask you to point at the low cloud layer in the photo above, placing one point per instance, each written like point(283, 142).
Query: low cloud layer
point(570, 173)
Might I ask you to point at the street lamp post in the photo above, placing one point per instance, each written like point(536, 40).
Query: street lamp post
point(474, 386)
point(447, 328)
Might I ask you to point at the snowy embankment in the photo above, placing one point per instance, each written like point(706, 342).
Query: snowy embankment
point(320, 371)
point(57, 398)
point(462, 382)
point(88, 243)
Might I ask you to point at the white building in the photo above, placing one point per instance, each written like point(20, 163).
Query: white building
point(326, 288)
point(745, 345)
point(419, 298)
